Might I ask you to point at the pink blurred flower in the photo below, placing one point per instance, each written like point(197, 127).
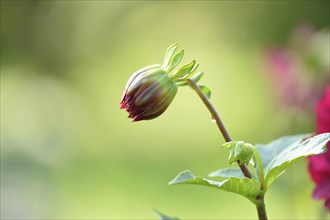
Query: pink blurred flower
point(300, 68)
point(286, 77)
point(319, 165)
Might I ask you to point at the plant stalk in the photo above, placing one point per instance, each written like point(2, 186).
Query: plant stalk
point(261, 169)
point(262, 215)
point(261, 205)
point(218, 120)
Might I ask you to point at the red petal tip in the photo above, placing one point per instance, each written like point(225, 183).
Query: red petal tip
point(122, 105)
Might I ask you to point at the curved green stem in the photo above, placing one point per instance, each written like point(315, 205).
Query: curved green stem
point(261, 208)
point(218, 120)
point(260, 198)
point(261, 170)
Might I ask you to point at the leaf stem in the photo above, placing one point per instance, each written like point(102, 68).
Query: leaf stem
point(261, 170)
point(218, 120)
point(262, 215)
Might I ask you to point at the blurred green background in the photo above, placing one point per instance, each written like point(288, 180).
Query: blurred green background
point(68, 152)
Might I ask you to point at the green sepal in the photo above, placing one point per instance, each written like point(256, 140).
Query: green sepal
point(169, 54)
point(206, 91)
point(184, 71)
point(175, 60)
point(239, 152)
point(194, 77)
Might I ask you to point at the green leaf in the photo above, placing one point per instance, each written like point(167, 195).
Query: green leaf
point(175, 60)
point(163, 216)
point(239, 151)
point(291, 153)
point(269, 151)
point(206, 91)
point(227, 172)
point(185, 70)
point(246, 187)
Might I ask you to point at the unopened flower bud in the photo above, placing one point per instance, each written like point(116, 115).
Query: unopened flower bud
point(150, 90)
point(148, 93)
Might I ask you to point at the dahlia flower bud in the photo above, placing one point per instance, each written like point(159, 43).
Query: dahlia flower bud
point(148, 93)
point(150, 90)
